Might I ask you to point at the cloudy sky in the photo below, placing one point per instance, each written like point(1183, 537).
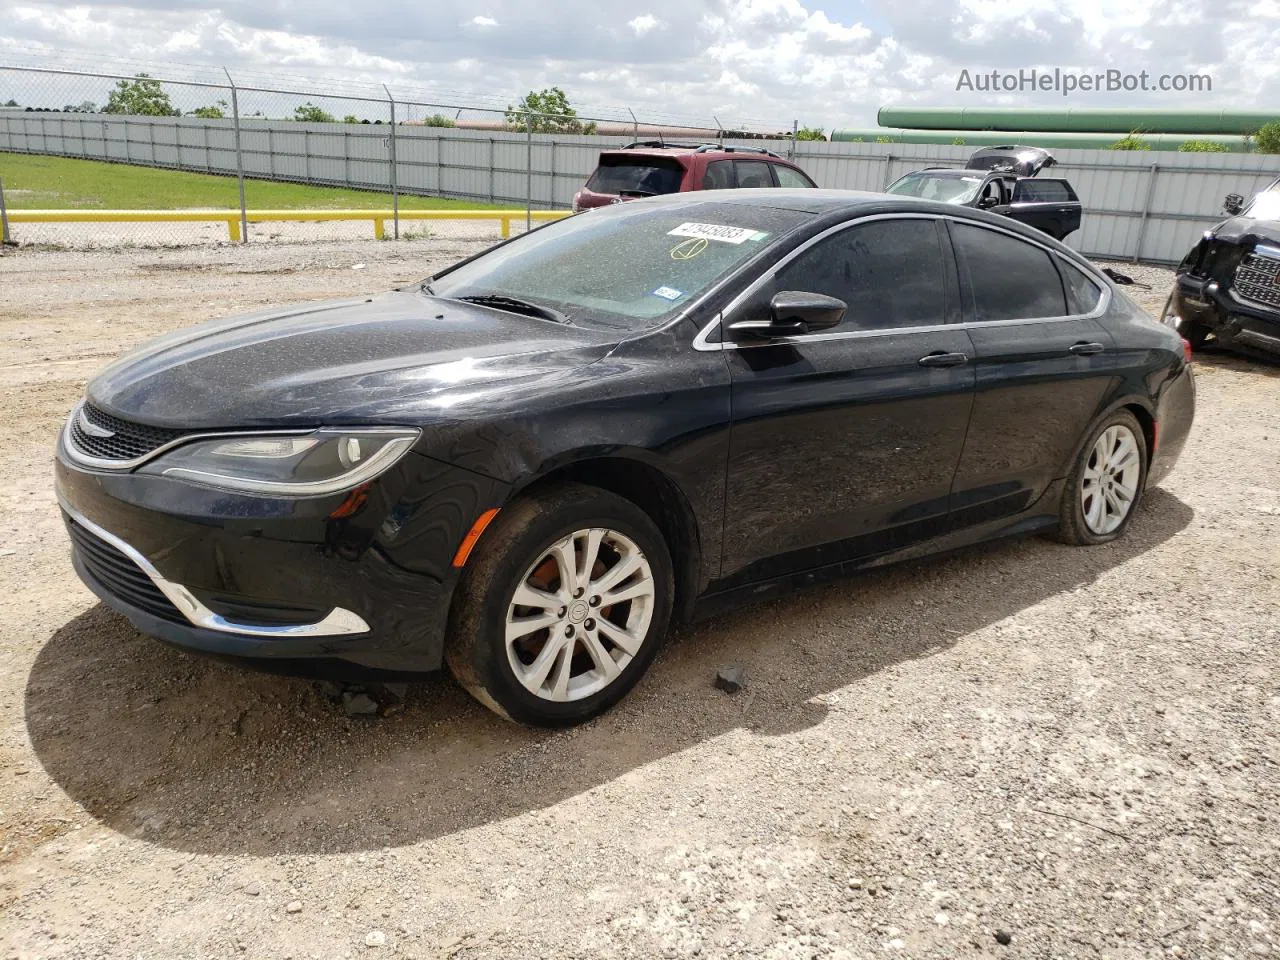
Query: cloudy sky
point(760, 63)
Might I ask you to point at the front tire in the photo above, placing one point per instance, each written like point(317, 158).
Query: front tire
point(1106, 483)
point(563, 606)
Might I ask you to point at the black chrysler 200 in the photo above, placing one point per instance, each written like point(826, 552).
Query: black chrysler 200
point(528, 466)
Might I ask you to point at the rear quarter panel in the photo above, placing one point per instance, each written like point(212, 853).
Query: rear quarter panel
point(1151, 372)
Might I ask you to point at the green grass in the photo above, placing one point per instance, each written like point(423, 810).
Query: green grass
point(63, 183)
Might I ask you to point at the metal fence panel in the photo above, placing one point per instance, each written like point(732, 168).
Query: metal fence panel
point(1150, 205)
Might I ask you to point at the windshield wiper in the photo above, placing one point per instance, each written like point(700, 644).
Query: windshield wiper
point(515, 305)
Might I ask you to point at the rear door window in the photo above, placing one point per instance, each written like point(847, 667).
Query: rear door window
point(1008, 278)
point(637, 176)
point(789, 177)
point(719, 175)
point(753, 173)
point(1043, 191)
point(1083, 293)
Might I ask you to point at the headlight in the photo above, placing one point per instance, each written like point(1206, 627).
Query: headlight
point(325, 461)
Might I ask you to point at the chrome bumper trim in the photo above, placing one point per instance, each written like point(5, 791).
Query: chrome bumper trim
point(337, 622)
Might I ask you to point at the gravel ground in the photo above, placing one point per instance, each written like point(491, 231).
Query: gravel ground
point(1023, 750)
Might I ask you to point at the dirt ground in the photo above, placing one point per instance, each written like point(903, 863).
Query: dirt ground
point(1071, 750)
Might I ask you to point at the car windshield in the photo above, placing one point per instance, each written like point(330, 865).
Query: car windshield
point(1266, 205)
point(932, 187)
point(629, 265)
point(647, 176)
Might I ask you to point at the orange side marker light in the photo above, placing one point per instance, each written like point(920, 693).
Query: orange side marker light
point(469, 541)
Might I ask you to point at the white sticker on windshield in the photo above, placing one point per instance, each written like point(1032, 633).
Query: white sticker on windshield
point(668, 293)
point(717, 231)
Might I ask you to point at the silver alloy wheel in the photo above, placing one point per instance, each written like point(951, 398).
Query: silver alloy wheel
point(579, 615)
point(1110, 483)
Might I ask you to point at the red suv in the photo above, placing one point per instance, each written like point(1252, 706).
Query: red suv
point(650, 167)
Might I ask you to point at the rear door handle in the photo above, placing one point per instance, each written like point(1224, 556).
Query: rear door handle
point(1086, 349)
point(943, 359)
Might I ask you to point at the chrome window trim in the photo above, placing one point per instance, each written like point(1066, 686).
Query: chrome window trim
point(123, 466)
point(702, 342)
point(337, 622)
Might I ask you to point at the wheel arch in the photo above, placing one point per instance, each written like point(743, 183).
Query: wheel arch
point(1147, 420)
point(654, 491)
point(1142, 409)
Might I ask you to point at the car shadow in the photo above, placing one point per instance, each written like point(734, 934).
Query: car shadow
point(206, 757)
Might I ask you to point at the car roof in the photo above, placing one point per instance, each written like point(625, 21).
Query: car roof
point(799, 199)
point(704, 150)
point(836, 205)
point(954, 172)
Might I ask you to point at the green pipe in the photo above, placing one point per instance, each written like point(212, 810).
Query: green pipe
point(1057, 141)
point(1077, 119)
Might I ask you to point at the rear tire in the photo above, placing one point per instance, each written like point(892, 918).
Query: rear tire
point(1106, 483)
point(566, 654)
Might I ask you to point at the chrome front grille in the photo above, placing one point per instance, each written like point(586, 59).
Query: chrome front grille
point(1258, 276)
point(101, 436)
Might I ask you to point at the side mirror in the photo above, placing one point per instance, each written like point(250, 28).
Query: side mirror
point(986, 203)
point(792, 313)
point(1233, 204)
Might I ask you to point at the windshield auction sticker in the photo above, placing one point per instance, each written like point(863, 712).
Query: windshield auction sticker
point(716, 231)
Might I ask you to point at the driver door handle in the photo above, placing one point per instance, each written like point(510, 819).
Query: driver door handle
point(1086, 349)
point(943, 359)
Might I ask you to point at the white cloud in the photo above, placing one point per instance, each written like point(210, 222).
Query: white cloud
point(758, 63)
point(643, 24)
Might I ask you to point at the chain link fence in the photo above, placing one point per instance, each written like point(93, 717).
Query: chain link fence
point(169, 162)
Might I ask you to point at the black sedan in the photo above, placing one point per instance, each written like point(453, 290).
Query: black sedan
point(530, 465)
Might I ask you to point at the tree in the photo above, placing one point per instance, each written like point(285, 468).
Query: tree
point(1133, 141)
point(214, 112)
point(546, 111)
point(143, 96)
point(439, 120)
point(310, 113)
point(1267, 139)
point(810, 133)
point(11, 103)
point(84, 106)
point(1202, 146)
point(350, 118)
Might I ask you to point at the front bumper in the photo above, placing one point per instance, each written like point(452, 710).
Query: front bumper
point(297, 585)
point(1231, 317)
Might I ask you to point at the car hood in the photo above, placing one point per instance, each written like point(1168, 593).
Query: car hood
point(394, 358)
point(1247, 230)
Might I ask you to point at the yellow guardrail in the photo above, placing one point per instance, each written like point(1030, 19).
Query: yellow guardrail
point(232, 217)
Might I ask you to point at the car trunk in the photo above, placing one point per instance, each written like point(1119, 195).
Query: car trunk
point(1024, 161)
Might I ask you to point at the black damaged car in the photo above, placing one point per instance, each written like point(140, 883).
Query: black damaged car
point(531, 464)
point(1228, 287)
